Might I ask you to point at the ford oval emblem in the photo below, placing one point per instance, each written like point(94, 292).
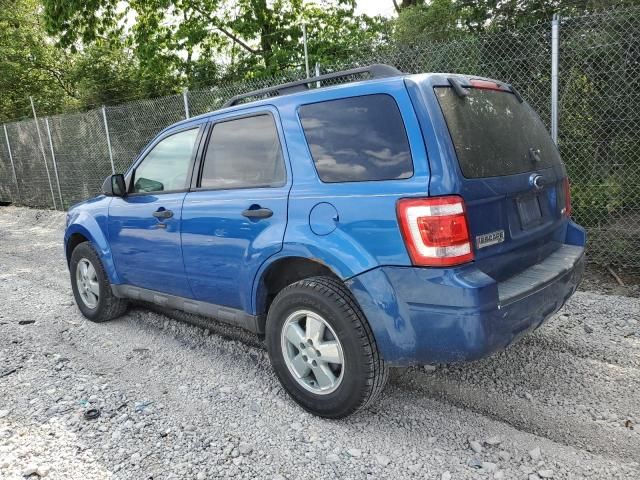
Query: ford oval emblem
point(536, 181)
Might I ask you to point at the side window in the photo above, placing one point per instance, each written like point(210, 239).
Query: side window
point(357, 139)
point(166, 166)
point(244, 153)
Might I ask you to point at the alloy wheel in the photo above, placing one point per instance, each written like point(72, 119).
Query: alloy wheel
point(312, 352)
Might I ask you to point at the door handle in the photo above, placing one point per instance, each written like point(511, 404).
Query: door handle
point(162, 214)
point(257, 213)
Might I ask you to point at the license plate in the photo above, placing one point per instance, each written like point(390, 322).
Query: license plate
point(529, 211)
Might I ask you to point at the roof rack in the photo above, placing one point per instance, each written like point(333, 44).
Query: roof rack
point(377, 70)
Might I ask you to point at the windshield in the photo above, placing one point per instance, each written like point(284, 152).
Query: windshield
point(494, 134)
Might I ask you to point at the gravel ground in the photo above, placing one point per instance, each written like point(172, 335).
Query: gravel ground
point(179, 401)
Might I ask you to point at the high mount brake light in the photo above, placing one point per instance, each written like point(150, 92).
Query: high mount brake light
point(435, 230)
point(487, 85)
point(567, 197)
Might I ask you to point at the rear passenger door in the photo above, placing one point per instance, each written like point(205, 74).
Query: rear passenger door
point(236, 215)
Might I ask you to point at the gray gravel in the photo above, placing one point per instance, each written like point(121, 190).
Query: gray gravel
point(179, 401)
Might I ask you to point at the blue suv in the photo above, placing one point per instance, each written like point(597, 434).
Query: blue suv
point(391, 221)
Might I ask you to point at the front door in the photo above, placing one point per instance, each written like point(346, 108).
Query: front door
point(235, 219)
point(144, 226)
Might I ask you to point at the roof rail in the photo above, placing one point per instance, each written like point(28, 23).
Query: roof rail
point(377, 70)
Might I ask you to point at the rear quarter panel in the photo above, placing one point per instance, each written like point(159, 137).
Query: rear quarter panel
point(366, 230)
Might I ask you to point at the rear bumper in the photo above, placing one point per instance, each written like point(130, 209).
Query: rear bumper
point(434, 315)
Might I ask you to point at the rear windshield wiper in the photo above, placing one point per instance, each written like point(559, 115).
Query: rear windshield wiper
point(457, 87)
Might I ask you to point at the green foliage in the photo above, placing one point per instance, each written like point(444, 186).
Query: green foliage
point(434, 20)
point(437, 21)
point(72, 54)
point(594, 204)
point(85, 20)
point(599, 85)
point(61, 79)
point(337, 35)
point(29, 64)
point(201, 41)
point(598, 119)
point(105, 75)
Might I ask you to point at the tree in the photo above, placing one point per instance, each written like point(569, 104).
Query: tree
point(441, 19)
point(435, 21)
point(106, 74)
point(201, 41)
point(29, 64)
point(73, 54)
point(406, 4)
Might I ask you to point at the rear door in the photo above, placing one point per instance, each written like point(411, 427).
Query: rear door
point(235, 217)
point(144, 226)
point(511, 176)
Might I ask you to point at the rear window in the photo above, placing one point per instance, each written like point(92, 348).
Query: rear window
point(357, 139)
point(244, 153)
point(494, 134)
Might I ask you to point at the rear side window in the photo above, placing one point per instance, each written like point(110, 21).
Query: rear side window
point(494, 134)
point(357, 139)
point(244, 153)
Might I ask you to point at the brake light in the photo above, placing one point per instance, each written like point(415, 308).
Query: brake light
point(567, 197)
point(435, 230)
point(487, 85)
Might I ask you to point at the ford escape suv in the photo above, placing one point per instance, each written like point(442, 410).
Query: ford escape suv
point(391, 221)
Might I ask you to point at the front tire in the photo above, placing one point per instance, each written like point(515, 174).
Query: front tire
point(91, 286)
point(322, 348)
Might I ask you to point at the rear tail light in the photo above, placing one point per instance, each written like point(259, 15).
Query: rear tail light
point(435, 230)
point(567, 197)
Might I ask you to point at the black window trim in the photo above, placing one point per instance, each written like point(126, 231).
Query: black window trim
point(404, 125)
point(202, 154)
point(192, 162)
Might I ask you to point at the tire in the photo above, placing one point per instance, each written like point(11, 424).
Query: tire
point(361, 377)
point(107, 306)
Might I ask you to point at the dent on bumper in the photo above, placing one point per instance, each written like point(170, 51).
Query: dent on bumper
point(421, 315)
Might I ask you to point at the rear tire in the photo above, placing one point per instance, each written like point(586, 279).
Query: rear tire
point(356, 374)
point(91, 286)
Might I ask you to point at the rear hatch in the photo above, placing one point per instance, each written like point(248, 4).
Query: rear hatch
point(511, 176)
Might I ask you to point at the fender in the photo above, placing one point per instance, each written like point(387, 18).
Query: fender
point(339, 254)
point(88, 224)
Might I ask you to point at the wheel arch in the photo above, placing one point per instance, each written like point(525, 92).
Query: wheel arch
point(74, 240)
point(282, 271)
point(86, 229)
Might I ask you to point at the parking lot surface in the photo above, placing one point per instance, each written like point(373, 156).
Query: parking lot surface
point(179, 401)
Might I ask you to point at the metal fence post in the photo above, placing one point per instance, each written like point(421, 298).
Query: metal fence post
point(555, 27)
point(185, 98)
point(106, 131)
point(13, 167)
point(317, 74)
point(306, 53)
point(44, 155)
point(55, 166)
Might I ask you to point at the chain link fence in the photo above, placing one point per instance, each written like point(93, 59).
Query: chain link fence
point(599, 129)
point(599, 120)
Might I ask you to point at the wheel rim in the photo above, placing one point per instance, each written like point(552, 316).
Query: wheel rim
point(312, 351)
point(87, 283)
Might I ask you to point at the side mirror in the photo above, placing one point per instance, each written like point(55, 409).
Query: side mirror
point(114, 186)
